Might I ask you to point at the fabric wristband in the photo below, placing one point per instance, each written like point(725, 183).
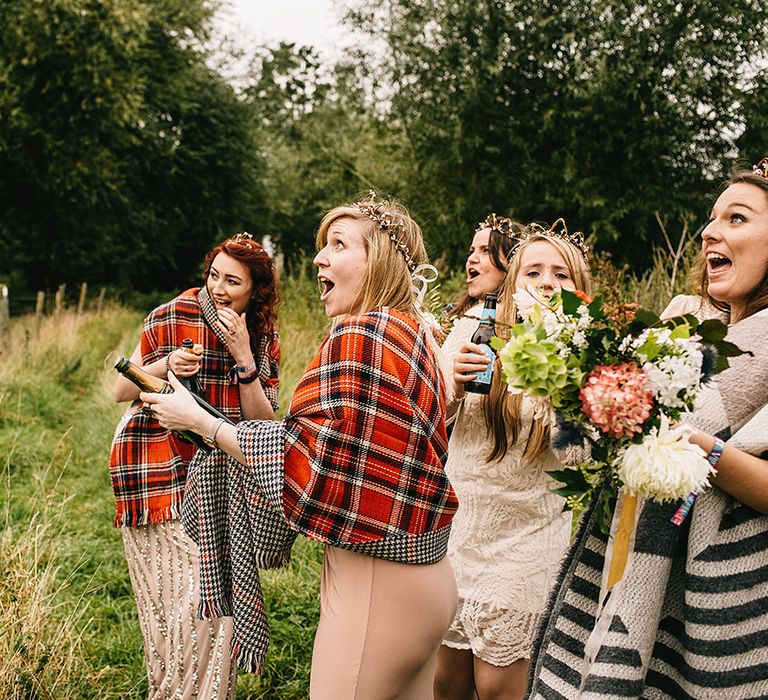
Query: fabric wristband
point(717, 451)
point(713, 458)
point(246, 368)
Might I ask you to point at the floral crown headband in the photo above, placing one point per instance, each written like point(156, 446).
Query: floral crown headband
point(502, 224)
point(244, 239)
point(373, 208)
point(761, 169)
point(558, 230)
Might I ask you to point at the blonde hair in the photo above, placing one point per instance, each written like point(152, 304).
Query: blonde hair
point(387, 277)
point(502, 411)
point(388, 280)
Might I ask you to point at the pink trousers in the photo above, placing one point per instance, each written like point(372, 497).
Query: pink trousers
point(381, 624)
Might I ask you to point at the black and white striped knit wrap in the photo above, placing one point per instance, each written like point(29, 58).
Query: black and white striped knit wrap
point(691, 616)
point(238, 532)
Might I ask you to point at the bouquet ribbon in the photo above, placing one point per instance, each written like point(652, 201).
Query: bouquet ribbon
point(617, 555)
point(623, 535)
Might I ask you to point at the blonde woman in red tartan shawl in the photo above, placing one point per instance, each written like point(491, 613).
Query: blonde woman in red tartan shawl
point(359, 463)
point(232, 318)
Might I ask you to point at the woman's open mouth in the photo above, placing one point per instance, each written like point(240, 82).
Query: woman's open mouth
point(717, 263)
point(325, 287)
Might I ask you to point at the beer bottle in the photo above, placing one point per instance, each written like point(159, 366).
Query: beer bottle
point(486, 329)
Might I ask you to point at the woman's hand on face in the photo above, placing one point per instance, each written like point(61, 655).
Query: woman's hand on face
point(183, 363)
point(236, 332)
point(176, 411)
point(468, 363)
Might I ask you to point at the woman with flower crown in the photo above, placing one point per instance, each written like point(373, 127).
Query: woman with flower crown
point(510, 532)
point(231, 319)
point(689, 616)
point(356, 464)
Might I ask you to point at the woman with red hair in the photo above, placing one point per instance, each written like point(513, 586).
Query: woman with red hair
point(233, 318)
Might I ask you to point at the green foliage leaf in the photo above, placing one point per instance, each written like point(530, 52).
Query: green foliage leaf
point(571, 302)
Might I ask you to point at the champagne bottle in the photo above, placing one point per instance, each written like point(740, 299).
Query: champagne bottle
point(147, 382)
point(193, 383)
point(486, 329)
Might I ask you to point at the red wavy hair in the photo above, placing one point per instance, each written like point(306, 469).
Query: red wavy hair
point(261, 314)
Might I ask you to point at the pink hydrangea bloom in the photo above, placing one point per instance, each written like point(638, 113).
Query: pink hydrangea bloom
point(616, 399)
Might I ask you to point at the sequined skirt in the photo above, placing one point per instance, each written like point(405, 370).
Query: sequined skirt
point(187, 658)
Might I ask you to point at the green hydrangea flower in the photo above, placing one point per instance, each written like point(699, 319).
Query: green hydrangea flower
point(531, 363)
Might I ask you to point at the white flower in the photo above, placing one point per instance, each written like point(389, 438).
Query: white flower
point(585, 318)
point(579, 339)
point(675, 377)
point(664, 466)
point(553, 325)
point(527, 299)
point(626, 343)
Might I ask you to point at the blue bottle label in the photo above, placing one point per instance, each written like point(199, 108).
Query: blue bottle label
point(485, 376)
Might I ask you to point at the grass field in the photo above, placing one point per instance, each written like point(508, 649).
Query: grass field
point(68, 625)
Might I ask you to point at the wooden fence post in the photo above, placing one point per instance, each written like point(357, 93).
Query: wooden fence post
point(39, 311)
point(81, 300)
point(100, 300)
point(40, 304)
point(5, 328)
point(59, 299)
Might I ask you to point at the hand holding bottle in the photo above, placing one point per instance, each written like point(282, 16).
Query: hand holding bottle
point(468, 363)
point(184, 363)
point(177, 411)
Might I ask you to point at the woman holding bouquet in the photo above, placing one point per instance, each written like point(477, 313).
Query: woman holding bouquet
point(509, 532)
point(232, 318)
point(690, 615)
point(357, 464)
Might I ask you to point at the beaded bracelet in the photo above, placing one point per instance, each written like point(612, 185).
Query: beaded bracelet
point(168, 361)
point(713, 458)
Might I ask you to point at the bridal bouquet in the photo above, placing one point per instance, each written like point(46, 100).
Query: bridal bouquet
point(615, 379)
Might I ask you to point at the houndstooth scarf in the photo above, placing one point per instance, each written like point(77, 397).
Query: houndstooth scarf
point(691, 617)
point(238, 532)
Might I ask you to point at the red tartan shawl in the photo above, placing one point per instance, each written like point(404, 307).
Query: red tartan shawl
point(365, 437)
point(148, 464)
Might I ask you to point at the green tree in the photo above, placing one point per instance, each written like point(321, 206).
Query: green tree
point(323, 143)
point(122, 154)
point(600, 111)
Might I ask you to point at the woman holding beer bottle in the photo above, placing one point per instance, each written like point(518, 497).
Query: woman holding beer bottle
point(509, 532)
point(232, 320)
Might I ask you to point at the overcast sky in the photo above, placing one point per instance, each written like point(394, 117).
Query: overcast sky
point(307, 22)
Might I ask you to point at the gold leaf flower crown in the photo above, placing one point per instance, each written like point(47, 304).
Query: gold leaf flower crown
point(761, 169)
point(558, 230)
point(501, 224)
point(244, 239)
point(374, 209)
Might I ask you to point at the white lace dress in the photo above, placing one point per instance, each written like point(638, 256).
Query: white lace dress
point(508, 535)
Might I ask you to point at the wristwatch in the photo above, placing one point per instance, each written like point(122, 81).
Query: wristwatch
point(210, 438)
